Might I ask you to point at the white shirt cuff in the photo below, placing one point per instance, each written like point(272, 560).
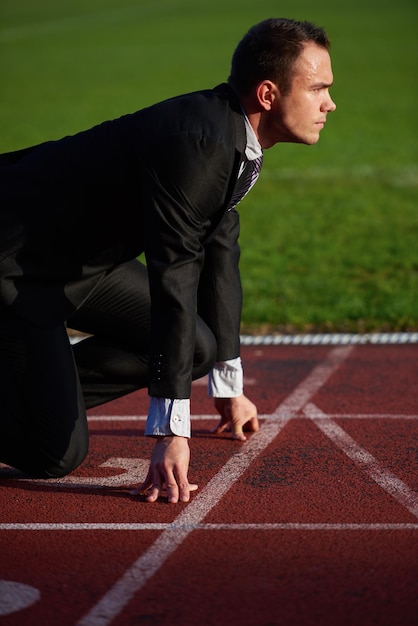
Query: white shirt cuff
point(226, 380)
point(168, 417)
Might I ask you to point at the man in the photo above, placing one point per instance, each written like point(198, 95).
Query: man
point(75, 215)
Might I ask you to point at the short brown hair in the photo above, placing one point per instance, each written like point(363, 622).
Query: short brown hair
point(269, 51)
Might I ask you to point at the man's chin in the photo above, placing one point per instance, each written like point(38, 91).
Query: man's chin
point(310, 141)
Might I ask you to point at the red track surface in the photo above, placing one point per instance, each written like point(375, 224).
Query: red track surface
point(312, 521)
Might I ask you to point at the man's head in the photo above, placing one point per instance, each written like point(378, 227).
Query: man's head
point(269, 51)
point(281, 71)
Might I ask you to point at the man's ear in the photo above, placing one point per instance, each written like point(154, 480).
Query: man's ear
point(266, 93)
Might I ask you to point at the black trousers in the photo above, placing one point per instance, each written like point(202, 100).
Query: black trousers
point(46, 384)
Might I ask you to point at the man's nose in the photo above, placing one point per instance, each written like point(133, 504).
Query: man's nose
point(331, 105)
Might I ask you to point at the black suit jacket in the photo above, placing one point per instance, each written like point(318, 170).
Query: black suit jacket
point(156, 181)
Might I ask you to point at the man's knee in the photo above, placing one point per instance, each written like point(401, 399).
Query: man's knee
point(58, 468)
point(36, 464)
point(205, 352)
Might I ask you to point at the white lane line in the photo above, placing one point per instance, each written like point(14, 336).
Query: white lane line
point(372, 416)
point(152, 559)
point(142, 418)
point(135, 471)
point(113, 602)
point(366, 461)
point(211, 416)
point(15, 596)
point(314, 381)
point(202, 526)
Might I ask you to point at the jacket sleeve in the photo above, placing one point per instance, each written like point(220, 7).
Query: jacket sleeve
point(185, 185)
point(220, 292)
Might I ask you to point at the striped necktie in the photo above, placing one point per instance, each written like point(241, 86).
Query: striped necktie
point(247, 179)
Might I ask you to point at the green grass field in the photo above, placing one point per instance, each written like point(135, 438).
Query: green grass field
point(329, 234)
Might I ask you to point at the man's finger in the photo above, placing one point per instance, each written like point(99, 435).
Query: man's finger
point(172, 492)
point(141, 489)
point(221, 427)
point(252, 425)
point(137, 491)
point(154, 494)
point(237, 433)
point(185, 490)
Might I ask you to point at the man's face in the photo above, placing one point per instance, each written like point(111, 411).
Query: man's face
point(300, 115)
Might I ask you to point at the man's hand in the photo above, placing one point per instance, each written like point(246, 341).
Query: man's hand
point(240, 412)
point(169, 466)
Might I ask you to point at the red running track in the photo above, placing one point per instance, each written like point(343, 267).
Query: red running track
point(311, 522)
